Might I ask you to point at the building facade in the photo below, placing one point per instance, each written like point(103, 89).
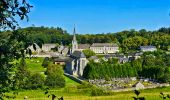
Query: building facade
point(98, 48)
point(148, 48)
point(76, 63)
point(104, 48)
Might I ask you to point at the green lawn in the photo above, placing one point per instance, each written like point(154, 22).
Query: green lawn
point(150, 94)
point(35, 64)
point(70, 82)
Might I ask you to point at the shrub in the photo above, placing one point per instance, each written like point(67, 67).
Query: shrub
point(97, 91)
point(88, 53)
point(45, 62)
point(37, 81)
point(21, 78)
point(55, 77)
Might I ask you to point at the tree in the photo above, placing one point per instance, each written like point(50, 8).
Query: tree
point(88, 53)
point(21, 78)
point(37, 80)
point(55, 76)
point(45, 62)
point(12, 44)
point(11, 8)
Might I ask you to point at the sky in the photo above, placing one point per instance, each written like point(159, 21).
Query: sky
point(99, 16)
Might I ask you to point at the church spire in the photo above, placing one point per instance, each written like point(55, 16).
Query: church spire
point(74, 41)
point(74, 34)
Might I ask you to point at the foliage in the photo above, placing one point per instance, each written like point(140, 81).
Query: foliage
point(45, 62)
point(11, 8)
point(21, 78)
point(106, 70)
point(88, 53)
point(97, 92)
point(55, 76)
point(164, 96)
point(137, 96)
point(53, 96)
point(152, 65)
point(36, 81)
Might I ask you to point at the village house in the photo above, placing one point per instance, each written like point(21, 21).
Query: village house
point(138, 86)
point(98, 48)
point(45, 48)
point(48, 47)
point(94, 58)
point(61, 60)
point(148, 48)
point(104, 48)
point(63, 50)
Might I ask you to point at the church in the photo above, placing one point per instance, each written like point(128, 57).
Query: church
point(98, 48)
point(77, 61)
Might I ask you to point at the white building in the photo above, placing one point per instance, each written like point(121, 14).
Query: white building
point(48, 47)
point(148, 48)
point(98, 48)
point(104, 48)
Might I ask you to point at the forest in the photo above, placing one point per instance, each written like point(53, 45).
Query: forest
point(128, 40)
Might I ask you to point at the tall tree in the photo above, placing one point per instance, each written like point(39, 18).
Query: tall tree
point(11, 45)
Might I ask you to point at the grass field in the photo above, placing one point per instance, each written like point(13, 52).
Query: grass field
point(35, 65)
point(150, 94)
point(71, 92)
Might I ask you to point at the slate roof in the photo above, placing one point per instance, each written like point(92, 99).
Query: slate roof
point(78, 54)
point(70, 59)
point(93, 57)
point(147, 47)
point(49, 45)
point(104, 45)
point(83, 46)
point(60, 59)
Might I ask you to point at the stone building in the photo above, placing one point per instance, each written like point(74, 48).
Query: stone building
point(45, 48)
point(98, 48)
point(104, 48)
point(76, 63)
point(63, 49)
point(48, 47)
point(138, 86)
point(148, 48)
point(38, 49)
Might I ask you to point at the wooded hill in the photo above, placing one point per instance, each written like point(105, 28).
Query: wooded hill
point(128, 40)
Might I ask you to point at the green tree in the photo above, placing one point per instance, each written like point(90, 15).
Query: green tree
point(88, 53)
point(21, 78)
point(37, 80)
point(11, 8)
point(55, 76)
point(11, 45)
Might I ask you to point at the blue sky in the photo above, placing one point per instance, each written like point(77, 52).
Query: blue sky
point(100, 16)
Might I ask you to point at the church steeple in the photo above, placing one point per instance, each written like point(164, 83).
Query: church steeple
point(74, 41)
point(74, 35)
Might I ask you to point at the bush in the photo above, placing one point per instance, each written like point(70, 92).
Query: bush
point(84, 85)
point(88, 53)
point(36, 81)
point(21, 78)
point(55, 76)
point(45, 62)
point(97, 91)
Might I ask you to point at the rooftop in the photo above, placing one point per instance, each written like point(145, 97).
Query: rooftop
point(104, 45)
point(78, 54)
point(83, 46)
